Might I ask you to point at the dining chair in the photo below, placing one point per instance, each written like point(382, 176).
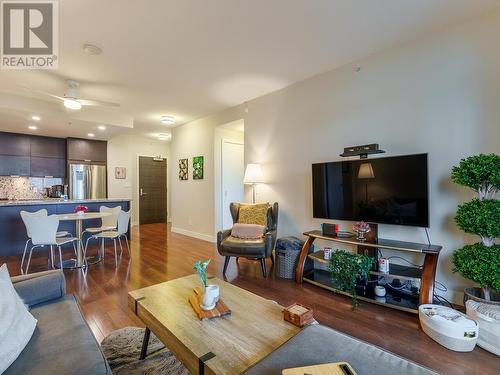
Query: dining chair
point(43, 231)
point(107, 222)
point(117, 234)
point(42, 213)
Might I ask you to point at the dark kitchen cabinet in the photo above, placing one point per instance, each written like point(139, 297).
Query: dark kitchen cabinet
point(11, 165)
point(87, 150)
point(14, 144)
point(48, 147)
point(48, 167)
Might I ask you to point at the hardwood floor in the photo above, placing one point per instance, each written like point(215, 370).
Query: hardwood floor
point(159, 255)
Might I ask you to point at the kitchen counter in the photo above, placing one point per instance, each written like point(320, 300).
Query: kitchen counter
point(39, 202)
point(13, 232)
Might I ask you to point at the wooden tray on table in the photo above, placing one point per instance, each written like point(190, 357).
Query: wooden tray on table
point(218, 311)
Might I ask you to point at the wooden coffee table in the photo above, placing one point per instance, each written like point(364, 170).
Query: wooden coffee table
point(228, 345)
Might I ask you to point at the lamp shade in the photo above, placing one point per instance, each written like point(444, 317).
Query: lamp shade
point(253, 174)
point(366, 171)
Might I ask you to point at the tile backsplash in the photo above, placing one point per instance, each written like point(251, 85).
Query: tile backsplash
point(13, 188)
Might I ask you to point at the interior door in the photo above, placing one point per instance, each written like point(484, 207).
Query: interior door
point(233, 170)
point(152, 190)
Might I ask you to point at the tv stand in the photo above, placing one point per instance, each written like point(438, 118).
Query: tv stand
point(426, 275)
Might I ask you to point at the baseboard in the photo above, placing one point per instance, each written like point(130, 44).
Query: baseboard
point(134, 223)
point(200, 236)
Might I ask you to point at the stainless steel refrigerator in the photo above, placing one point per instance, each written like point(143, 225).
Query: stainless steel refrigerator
point(87, 181)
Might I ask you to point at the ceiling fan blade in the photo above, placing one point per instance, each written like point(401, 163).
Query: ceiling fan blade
point(54, 96)
point(98, 103)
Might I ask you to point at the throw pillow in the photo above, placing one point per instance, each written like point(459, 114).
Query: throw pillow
point(248, 231)
point(16, 323)
point(253, 214)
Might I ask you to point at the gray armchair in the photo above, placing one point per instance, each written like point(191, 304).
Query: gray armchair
point(262, 248)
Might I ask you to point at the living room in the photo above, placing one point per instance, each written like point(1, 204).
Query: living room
point(291, 85)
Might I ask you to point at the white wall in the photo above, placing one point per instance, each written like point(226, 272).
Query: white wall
point(439, 94)
point(193, 206)
point(123, 152)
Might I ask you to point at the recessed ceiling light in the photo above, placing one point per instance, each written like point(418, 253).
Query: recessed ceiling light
point(167, 120)
point(91, 49)
point(101, 127)
point(163, 137)
point(91, 135)
point(32, 127)
point(35, 118)
point(72, 103)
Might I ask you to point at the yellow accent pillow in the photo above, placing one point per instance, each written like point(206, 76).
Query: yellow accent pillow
point(253, 214)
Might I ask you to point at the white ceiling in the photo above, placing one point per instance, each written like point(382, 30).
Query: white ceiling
point(191, 58)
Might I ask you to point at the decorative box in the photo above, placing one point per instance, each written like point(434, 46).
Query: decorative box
point(298, 315)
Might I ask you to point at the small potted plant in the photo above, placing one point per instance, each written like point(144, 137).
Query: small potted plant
point(81, 209)
point(480, 262)
point(210, 292)
point(346, 268)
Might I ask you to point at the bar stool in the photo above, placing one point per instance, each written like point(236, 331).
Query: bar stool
point(42, 212)
point(43, 231)
point(117, 234)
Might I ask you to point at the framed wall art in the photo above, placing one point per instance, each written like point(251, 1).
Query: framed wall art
point(198, 168)
point(183, 169)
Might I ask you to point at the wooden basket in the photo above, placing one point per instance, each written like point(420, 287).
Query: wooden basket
point(298, 314)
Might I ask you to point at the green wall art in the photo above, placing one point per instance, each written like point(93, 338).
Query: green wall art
point(183, 169)
point(198, 168)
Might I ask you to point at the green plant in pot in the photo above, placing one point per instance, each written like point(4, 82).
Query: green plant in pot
point(346, 268)
point(480, 262)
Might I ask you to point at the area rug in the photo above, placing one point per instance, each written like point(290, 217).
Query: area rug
point(123, 347)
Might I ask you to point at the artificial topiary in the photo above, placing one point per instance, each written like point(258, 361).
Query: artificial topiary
point(480, 217)
point(481, 173)
point(479, 263)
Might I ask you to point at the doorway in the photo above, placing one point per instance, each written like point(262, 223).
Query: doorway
point(229, 170)
point(152, 190)
point(233, 165)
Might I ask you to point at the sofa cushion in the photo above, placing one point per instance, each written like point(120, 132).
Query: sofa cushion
point(61, 344)
point(16, 323)
point(253, 214)
point(234, 246)
point(317, 344)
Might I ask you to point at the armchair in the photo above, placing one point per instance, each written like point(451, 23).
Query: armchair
point(262, 248)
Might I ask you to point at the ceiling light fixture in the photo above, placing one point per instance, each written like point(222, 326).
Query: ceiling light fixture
point(32, 127)
point(91, 49)
point(35, 118)
point(168, 120)
point(163, 137)
point(101, 127)
point(91, 135)
point(72, 103)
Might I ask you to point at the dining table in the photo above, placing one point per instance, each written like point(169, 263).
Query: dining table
point(78, 218)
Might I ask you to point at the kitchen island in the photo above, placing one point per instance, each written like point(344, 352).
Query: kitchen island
point(12, 229)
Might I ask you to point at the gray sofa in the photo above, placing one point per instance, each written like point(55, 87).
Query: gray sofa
point(317, 344)
point(62, 342)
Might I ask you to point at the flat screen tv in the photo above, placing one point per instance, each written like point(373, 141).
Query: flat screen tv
point(390, 190)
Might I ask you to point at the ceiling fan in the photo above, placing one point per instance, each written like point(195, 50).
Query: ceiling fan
point(72, 100)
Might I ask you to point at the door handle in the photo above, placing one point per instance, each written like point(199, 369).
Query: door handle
point(141, 193)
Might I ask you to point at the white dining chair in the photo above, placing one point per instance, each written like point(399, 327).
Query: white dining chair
point(42, 212)
point(43, 231)
point(107, 222)
point(117, 234)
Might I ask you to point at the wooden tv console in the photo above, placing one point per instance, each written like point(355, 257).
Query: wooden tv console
point(425, 275)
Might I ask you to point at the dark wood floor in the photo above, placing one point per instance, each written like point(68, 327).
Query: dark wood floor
point(159, 255)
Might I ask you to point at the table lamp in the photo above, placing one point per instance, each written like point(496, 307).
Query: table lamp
point(253, 176)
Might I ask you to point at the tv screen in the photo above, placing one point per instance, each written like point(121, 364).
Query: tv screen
point(391, 190)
